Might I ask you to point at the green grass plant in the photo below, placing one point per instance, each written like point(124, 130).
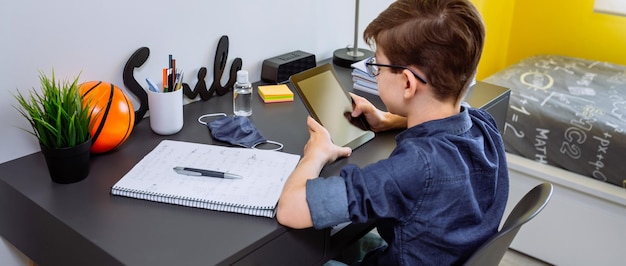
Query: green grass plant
point(56, 114)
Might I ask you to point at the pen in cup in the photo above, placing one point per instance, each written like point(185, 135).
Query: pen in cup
point(203, 172)
point(172, 84)
point(179, 80)
point(151, 85)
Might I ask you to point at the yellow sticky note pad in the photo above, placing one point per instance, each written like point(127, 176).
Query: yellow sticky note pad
point(275, 93)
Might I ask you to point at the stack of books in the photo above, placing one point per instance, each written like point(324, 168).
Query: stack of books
point(275, 93)
point(361, 80)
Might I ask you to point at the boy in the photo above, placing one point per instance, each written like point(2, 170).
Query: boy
point(442, 191)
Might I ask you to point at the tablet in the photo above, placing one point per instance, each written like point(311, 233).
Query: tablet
point(329, 104)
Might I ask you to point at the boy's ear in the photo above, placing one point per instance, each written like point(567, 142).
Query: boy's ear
point(413, 85)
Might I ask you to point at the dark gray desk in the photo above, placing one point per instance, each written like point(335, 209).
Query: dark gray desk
point(83, 224)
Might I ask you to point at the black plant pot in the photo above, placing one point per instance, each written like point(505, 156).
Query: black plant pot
point(68, 165)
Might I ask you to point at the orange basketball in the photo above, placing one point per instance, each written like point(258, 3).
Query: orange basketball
point(113, 116)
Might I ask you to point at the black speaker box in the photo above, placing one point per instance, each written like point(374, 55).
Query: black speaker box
point(278, 69)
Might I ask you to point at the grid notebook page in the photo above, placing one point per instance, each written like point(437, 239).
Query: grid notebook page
point(264, 174)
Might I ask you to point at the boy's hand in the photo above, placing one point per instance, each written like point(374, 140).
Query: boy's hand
point(320, 147)
point(377, 119)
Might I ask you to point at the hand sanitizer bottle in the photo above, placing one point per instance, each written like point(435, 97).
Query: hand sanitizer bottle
point(242, 95)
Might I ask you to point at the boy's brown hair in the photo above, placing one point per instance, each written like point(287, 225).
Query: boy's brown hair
point(442, 38)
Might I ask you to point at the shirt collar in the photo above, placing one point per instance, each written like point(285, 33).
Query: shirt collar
point(453, 125)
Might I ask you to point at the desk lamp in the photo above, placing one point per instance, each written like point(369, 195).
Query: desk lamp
point(346, 56)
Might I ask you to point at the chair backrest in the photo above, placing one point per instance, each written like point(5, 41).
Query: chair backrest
point(492, 251)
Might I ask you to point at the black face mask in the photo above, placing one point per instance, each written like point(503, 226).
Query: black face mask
point(236, 130)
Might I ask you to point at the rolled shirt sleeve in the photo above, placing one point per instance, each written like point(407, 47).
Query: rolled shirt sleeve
point(328, 202)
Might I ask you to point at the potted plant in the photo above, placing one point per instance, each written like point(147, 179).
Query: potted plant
point(61, 123)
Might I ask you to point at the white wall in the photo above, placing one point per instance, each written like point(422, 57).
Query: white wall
point(615, 7)
point(95, 38)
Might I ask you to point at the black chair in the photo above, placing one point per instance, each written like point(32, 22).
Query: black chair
point(492, 251)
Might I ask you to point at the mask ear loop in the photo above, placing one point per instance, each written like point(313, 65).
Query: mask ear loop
point(280, 145)
point(209, 115)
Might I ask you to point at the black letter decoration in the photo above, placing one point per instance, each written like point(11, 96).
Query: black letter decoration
point(219, 65)
point(140, 56)
point(200, 87)
point(136, 60)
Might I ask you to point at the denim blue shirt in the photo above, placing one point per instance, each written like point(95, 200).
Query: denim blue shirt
point(439, 195)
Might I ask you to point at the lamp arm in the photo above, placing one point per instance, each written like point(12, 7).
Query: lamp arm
point(356, 29)
point(345, 57)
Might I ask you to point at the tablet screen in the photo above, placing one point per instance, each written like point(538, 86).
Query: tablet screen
point(329, 104)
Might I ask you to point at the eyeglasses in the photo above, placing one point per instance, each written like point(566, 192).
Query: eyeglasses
point(372, 69)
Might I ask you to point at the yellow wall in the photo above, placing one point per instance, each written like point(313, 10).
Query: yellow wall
point(498, 21)
point(522, 28)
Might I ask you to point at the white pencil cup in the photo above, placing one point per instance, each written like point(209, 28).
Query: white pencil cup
point(166, 111)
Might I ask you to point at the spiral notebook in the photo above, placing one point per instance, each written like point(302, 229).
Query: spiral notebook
point(264, 174)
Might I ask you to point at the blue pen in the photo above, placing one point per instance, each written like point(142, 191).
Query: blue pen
point(151, 85)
